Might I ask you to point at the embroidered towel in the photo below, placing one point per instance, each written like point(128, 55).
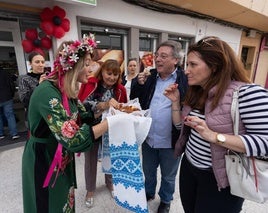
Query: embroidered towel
point(105, 152)
point(126, 133)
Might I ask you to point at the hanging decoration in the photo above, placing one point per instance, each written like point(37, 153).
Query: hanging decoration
point(53, 22)
point(38, 42)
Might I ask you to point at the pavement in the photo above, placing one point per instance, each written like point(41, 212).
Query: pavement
point(11, 191)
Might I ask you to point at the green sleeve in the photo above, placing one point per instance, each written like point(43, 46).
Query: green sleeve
point(64, 128)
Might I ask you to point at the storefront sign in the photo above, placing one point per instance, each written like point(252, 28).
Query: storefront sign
point(88, 2)
point(91, 2)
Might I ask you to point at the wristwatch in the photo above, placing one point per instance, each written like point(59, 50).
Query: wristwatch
point(220, 138)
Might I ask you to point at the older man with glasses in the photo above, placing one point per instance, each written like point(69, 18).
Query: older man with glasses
point(158, 149)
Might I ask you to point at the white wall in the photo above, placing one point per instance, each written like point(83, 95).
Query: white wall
point(122, 13)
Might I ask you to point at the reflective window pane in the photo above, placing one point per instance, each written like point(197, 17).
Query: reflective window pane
point(6, 36)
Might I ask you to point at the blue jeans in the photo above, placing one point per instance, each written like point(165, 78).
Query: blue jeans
point(6, 109)
point(151, 159)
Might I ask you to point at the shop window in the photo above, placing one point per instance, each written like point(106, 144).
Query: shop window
point(6, 36)
point(8, 60)
point(185, 42)
point(106, 37)
point(247, 56)
point(111, 42)
point(147, 46)
point(148, 41)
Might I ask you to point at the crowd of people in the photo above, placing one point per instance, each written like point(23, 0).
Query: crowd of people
point(191, 123)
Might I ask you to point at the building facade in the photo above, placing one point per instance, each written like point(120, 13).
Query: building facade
point(123, 30)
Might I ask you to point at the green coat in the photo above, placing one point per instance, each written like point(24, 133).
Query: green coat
point(50, 125)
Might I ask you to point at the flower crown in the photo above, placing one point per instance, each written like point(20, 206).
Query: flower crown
point(71, 53)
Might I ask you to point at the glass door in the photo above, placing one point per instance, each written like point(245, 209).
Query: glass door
point(12, 61)
point(11, 52)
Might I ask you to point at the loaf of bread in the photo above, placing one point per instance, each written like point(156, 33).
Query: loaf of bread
point(128, 109)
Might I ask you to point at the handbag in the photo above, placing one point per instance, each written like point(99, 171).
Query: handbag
point(248, 176)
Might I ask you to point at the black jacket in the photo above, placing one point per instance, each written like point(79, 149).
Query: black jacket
point(145, 93)
point(7, 86)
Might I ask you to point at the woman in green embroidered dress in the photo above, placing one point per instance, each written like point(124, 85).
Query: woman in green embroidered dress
point(59, 126)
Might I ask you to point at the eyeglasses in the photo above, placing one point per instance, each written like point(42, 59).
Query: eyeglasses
point(162, 56)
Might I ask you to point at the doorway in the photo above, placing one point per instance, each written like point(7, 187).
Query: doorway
point(12, 61)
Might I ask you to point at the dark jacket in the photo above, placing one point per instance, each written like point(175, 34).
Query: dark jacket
point(124, 80)
point(145, 93)
point(27, 84)
point(7, 86)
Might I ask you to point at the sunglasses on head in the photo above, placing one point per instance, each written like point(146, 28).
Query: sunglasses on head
point(206, 41)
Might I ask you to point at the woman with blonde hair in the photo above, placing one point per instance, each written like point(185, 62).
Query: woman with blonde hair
point(59, 126)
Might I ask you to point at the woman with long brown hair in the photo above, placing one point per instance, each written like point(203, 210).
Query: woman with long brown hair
point(214, 72)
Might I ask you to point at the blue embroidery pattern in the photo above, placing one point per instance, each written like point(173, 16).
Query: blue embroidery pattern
point(106, 153)
point(126, 170)
point(126, 166)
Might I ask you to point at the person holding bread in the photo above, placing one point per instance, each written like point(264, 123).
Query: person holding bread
point(102, 90)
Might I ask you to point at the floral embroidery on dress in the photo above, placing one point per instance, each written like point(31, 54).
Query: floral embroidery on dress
point(53, 102)
point(69, 128)
point(63, 129)
point(69, 206)
point(66, 159)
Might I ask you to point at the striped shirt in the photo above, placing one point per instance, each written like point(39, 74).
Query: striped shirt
point(253, 109)
point(197, 149)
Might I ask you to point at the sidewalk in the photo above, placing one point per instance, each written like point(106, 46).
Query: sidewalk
point(11, 192)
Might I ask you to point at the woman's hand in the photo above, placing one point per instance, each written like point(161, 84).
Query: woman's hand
point(42, 78)
point(172, 92)
point(102, 106)
point(233, 142)
point(113, 103)
point(201, 127)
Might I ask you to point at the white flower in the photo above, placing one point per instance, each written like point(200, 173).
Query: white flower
point(74, 57)
point(53, 102)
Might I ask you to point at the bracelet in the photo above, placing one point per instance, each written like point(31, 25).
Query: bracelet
point(175, 110)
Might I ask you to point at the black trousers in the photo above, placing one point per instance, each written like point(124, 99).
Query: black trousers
point(199, 192)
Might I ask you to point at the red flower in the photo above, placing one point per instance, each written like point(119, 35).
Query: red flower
point(53, 22)
point(69, 128)
point(34, 43)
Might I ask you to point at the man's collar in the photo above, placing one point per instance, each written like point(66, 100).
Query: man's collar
point(173, 74)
